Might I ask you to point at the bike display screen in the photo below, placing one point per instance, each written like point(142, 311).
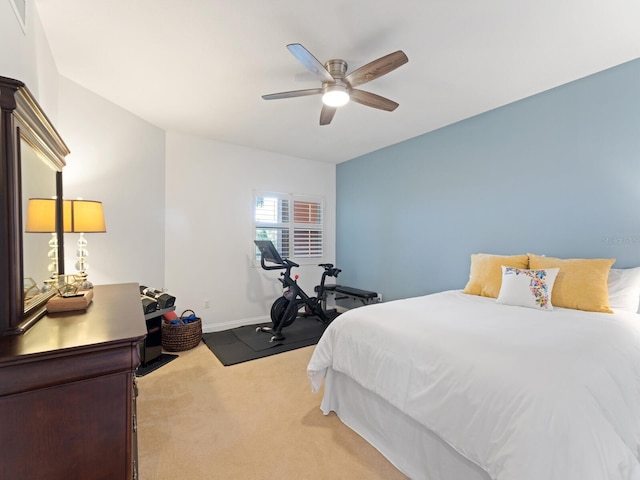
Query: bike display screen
point(269, 251)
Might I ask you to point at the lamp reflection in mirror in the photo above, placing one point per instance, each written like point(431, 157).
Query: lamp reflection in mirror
point(41, 218)
point(83, 216)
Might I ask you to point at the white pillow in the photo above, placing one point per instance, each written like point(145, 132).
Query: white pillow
point(527, 288)
point(624, 289)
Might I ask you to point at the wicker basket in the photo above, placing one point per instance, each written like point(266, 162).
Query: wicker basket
point(180, 337)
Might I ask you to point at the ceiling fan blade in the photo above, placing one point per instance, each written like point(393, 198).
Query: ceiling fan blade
point(326, 114)
point(377, 68)
point(372, 100)
point(293, 93)
point(310, 62)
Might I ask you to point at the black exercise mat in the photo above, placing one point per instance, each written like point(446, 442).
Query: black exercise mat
point(162, 360)
point(245, 343)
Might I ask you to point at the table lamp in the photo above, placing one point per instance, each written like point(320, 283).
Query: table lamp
point(83, 216)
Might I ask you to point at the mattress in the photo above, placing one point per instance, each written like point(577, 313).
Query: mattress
point(520, 393)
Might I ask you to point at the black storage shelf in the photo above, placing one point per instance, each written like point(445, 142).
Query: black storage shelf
point(151, 348)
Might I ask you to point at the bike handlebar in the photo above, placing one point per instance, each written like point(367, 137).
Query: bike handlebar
point(289, 264)
point(280, 266)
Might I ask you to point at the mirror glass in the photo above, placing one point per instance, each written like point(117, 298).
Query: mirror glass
point(39, 254)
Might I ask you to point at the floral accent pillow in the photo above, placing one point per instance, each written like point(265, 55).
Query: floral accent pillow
point(527, 288)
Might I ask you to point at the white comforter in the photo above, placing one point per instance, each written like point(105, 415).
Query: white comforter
point(525, 394)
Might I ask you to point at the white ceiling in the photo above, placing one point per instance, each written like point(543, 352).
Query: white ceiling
point(201, 66)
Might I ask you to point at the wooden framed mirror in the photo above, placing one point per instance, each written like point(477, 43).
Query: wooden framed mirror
point(32, 156)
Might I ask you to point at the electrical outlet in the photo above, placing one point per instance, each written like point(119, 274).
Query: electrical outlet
point(207, 304)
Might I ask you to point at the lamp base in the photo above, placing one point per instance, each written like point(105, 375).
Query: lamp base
point(81, 264)
point(83, 283)
point(67, 304)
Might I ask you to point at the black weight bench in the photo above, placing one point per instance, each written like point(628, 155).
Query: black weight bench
point(341, 292)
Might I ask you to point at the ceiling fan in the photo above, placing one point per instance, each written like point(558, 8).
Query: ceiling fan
point(337, 87)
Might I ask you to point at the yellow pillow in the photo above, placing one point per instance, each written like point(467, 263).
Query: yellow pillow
point(485, 276)
point(581, 283)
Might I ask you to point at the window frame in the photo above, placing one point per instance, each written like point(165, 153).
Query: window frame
point(291, 225)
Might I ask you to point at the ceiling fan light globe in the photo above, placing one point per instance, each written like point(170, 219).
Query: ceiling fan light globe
point(335, 97)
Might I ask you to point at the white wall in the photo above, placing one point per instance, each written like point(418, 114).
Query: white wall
point(205, 219)
point(118, 159)
point(209, 229)
point(179, 214)
point(25, 56)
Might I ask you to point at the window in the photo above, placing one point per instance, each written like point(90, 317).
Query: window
point(293, 223)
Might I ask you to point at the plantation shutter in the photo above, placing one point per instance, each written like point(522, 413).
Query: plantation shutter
point(307, 229)
point(272, 221)
point(293, 223)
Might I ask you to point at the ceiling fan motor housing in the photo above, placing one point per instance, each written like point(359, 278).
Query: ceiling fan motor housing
point(336, 67)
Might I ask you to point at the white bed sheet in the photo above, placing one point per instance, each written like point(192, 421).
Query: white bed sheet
point(417, 452)
point(522, 393)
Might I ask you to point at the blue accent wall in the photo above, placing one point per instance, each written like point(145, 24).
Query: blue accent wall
point(555, 174)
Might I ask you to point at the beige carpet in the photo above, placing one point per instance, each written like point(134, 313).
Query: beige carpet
point(256, 420)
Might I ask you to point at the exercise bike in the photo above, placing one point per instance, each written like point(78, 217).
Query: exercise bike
point(285, 309)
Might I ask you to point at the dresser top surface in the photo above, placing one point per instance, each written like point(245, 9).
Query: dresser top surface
point(114, 316)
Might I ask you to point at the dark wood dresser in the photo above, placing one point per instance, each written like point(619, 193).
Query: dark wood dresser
point(67, 392)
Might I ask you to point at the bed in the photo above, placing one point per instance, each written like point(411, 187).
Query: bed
point(456, 385)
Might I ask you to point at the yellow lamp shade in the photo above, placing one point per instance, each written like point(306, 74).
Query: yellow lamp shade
point(79, 216)
point(83, 216)
point(41, 215)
